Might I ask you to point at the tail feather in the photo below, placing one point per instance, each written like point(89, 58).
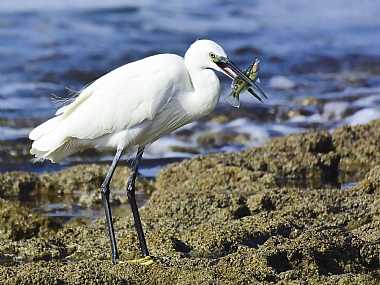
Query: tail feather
point(44, 128)
point(54, 139)
point(53, 154)
point(57, 154)
point(50, 141)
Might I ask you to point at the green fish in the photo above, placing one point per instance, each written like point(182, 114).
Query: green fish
point(239, 85)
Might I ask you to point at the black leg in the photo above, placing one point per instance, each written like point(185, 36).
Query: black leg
point(105, 190)
point(132, 200)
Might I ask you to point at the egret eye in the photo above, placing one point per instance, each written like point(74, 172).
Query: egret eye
point(212, 55)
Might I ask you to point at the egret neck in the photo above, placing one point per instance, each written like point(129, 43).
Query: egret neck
point(206, 86)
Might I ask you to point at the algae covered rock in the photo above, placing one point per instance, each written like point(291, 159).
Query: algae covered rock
point(304, 155)
point(88, 177)
point(225, 219)
point(84, 180)
point(18, 183)
point(358, 146)
point(20, 223)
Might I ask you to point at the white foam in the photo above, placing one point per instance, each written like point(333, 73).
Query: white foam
point(281, 82)
point(257, 134)
point(24, 103)
point(7, 133)
point(372, 100)
point(333, 111)
point(315, 118)
point(283, 130)
point(363, 116)
point(9, 88)
point(164, 148)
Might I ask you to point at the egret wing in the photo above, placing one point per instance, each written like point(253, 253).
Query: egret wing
point(124, 97)
point(120, 100)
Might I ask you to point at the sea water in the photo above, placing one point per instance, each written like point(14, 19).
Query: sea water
point(325, 53)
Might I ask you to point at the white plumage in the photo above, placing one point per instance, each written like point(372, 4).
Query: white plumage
point(133, 106)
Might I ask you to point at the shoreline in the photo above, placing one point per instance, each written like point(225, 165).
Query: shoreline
point(221, 218)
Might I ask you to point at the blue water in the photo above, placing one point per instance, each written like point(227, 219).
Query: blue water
point(328, 50)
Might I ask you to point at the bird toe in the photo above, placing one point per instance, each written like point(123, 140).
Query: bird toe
point(148, 260)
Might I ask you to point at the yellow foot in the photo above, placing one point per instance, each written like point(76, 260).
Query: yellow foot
point(144, 261)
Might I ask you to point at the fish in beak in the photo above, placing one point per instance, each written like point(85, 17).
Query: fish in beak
point(239, 86)
point(232, 71)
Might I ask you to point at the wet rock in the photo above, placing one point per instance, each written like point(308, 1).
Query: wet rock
point(220, 118)
point(92, 198)
point(84, 179)
point(371, 181)
point(212, 172)
point(224, 219)
point(20, 223)
point(325, 256)
point(34, 249)
point(358, 146)
point(262, 113)
point(305, 155)
point(78, 178)
point(87, 177)
point(213, 140)
point(311, 141)
point(369, 232)
point(308, 101)
point(185, 149)
point(18, 183)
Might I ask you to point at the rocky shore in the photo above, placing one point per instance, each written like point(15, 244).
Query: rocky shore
point(301, 209)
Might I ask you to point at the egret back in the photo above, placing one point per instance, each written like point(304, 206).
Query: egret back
point(108, 113)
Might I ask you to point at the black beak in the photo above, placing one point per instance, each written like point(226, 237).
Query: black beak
point(232, 71)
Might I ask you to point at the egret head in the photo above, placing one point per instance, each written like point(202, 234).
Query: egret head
point(209, 55)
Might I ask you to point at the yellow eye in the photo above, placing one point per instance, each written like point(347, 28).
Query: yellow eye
point(212, 55)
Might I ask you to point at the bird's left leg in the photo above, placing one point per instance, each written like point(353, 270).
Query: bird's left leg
point(131, 189)
point(105, 191)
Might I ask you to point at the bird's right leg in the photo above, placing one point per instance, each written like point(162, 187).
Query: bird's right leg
point(131, 188)
point(105, 191)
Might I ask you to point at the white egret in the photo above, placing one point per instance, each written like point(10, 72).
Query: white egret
point(131, 107)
